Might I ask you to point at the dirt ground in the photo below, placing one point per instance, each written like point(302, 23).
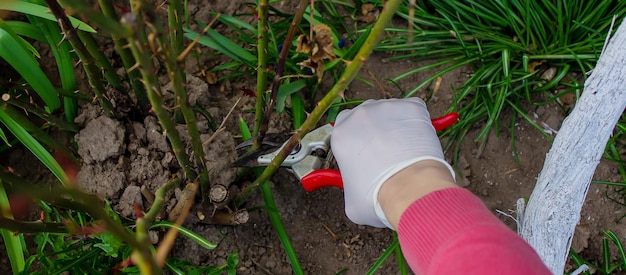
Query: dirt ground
point(120, 156)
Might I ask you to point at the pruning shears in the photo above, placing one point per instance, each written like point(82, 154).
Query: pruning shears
point(310, 160)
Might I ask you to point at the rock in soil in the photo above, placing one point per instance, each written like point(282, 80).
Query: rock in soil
point(102, 138)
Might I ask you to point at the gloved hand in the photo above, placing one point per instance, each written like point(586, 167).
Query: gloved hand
point(374, 141)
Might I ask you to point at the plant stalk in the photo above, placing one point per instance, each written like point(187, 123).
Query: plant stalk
point(264, 126)
point(178, 79)
point(93, 76)
point(89, 203)
point(154, 94)
point(261, 73)
point(159, 199)
point(32, 226)
point(101, 61)
point(134, 77)
point(143, 258)
point(88, 13)
point(38, 111)
point(280, 228)
point(337, 90)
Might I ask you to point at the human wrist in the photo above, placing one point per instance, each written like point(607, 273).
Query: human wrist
point(410, 184)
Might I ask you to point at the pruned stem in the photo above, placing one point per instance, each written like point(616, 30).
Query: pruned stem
point(350, 72)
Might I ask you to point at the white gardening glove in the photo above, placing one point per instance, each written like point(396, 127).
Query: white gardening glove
point(374, 141)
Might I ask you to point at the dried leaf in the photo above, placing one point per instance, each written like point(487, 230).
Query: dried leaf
point(532, 66)
point(303, 45)
point(367, 8)
point(319, 48)
point(369, 13)
point(211, 78)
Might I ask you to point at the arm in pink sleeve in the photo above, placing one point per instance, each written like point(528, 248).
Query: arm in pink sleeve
point(452, 232)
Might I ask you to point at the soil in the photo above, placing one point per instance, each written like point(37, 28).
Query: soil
point(121, 156)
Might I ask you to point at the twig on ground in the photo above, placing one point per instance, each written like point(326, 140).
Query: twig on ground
point(385, 93)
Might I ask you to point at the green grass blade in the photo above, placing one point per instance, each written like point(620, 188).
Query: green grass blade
point(34, 146)
point(245, 130)
point(402, 265)
point(383, 257)
point(223, 45)
point(286, 90)
point(24, 63)
point(4, 138)
point(272, 212)
point(235, 23)
point(187, 233)
point(25, 29)
point(61, 50)
point(297, 111)
point(279, 227)
point(41, 11)
point(12, 242)
point(616, 240)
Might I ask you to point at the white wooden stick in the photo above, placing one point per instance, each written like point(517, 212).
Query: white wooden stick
point(553, 210)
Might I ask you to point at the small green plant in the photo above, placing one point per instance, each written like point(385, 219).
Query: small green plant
point(605, 265)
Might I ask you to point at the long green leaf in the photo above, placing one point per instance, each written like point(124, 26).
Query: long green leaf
point(12, 242)
point(187, 233)
point(286, 90)
point(26, 65)
point(4, 138)
point(61, 50)
point(223, 45)
point(34, 146)
point(25, 29)
point(41, 11)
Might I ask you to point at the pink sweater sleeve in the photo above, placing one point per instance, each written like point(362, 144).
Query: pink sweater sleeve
point(452, 232)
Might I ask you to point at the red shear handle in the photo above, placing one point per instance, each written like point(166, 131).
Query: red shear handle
point(446, 121)
point(322, 178)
